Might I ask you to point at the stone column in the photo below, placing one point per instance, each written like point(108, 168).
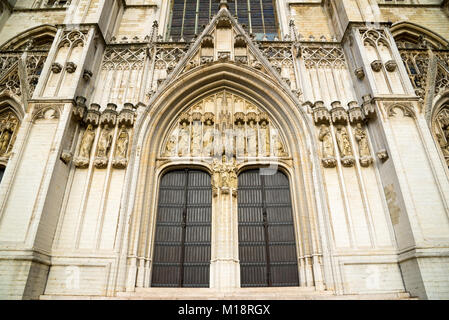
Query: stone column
point(225, 268)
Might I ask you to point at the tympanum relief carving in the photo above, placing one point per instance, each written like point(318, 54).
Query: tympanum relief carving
point(224, 124)
point(224, 130)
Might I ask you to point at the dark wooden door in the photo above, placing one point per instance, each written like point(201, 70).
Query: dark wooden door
point(183, 230)
point(267, 247)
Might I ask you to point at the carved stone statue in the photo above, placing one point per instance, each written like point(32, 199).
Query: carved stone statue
point(122, 143)
point(216, 177)
point(326, 139)
point(252, 144)
point(240, 140)
point(86, 142)
point(208, 138)
point(171, 145)
point(278, 146)
point(104, 144)
point(184, 139)
point(4, 141)
point(265, 138)
point(196, 138)
point(327, 149)
point(362, 140)
point(344, 145)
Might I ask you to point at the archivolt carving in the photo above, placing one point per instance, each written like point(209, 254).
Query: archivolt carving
point(441, 130)
point(224, 124)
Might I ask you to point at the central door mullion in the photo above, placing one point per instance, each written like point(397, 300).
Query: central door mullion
point(183, 231)
point(266, 235)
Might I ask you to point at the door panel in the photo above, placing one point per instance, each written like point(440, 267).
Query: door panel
point(267, 247)
point(183, 227)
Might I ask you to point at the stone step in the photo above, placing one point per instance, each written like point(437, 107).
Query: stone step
point(240, 294)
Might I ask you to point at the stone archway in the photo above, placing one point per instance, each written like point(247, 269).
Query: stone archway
point(290, 146)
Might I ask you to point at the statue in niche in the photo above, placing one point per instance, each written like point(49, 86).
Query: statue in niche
point(8, 125)
point(86, 142)
point(232, 172)
point(171, 145)
point(4, 140)
point(326, 138)
point(196, 138)
point(184, 139)
point(229, 142)
point(122, 143)
point(104, 144)
point(240, 140)
point(208, 138)
point(362, 140)
point(216, 176)
point(344, 144)
point(265, 138)
point(278, 146)
point(120, 160)
point(252, 144)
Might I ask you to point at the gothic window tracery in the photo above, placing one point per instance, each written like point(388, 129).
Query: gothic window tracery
point(187, 17)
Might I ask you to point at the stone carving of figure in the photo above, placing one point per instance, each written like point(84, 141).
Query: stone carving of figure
point(208, 138)
point(224, 173)
point(344, 145)
point(184, 140)
point(240, 140)
point(171, 145)
point(122, 143)
point(443, 144)
point(4, 141)
point(252, 144)
point(196, 138)
point(278, 146)
point(233, 178)
point(104, 144)
point(265, 138)
point(86, 142)
point(326, 139)
point(362, 140)
point(216, 176)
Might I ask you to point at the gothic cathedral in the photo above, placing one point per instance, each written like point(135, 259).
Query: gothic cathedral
point(214, 149)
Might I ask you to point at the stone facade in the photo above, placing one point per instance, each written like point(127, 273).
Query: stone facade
point(350, 101)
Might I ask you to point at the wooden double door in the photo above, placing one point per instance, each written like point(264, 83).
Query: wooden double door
point(267, 246)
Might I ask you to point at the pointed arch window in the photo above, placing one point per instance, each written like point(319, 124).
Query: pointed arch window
point(187, 17)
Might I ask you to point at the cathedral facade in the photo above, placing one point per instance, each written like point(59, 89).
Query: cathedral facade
point(224, 149)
